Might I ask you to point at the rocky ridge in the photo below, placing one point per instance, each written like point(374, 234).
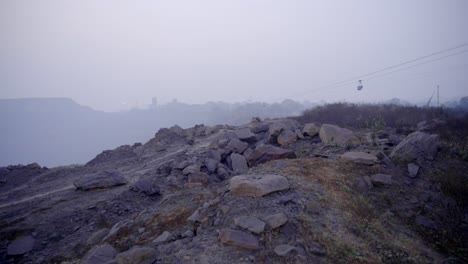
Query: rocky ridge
point(271, 191)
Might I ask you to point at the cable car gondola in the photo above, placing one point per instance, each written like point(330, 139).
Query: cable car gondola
point(360, 86)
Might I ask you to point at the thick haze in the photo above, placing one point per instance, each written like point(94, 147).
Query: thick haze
point(111, 55)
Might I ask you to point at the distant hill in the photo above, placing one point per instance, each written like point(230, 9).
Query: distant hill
point(58, 131)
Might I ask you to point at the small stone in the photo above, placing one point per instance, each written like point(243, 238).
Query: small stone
point(162, 238)
point(195, 217)
point(238, 238)
point(413, 170)
point(381, 179)
point(188, 233)
point(97, 237)
point(284, 250)
point(250, 223)
point(276, 220)
point(317, 249)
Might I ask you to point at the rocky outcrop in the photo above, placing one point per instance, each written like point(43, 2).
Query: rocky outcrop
point(266, 153)
point(335, 134)
point(101, 180)
point(417, 145)
point(257, 185)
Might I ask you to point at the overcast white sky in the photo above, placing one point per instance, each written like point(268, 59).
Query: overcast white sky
point(107, 52)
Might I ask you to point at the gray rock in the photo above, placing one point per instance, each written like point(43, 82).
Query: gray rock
point(99, 254)
point(287, 137)
point(276, 220)
point(146, 187)
point(259, 127)
point(97, 236)
point(415, 146)
point(188, 234)
point(238, 238)
point(381, 179)
point(250, 223)
point(20, 246)
point(257, 185)
point(237, 146)
point(284, 250)
point(426, 222)
point(317, 249)
point(121, 225)
point(211, 165)
point(266, 153)
point(311, 130)
point(299, 134)
point(331, 133)
point(105, 179)
point(198, 178)
point(360, 185)
point(182, 165)
point(194, 168)
point(359, 157)
point(413, 170)
point(137, 254)
point(384, 158)
point(244, 134)
point(162, 238)
point(239, 163)
point(195, 217)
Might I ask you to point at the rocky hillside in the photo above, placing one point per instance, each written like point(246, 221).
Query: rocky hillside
point(271, 191)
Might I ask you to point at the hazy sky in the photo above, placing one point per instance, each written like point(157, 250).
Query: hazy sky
point(108, 52)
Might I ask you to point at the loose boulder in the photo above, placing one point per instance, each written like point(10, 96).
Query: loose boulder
point(101, 180)
point(140, 255)
point(311, 130)
point(146, 187)
point(381, 179)
point(415, 146)
point(257, 185)
point(359, 157)
point(287, 137)
point(266, 153)
point(276, 220)
point(250, 223)
point(237, 146)
point(239, 163)
point(238, 238)
point(246, 135)
point(331, 133)
point(100, 254)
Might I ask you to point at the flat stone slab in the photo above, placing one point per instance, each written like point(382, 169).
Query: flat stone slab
point(381, 179)
point(100, 180)
point(257, 185)
point(331, 133)
point(284, 250)
point(137, 254)
point(266, 153)
point(359, 157)
point(276, 220)
point(20, 246)
point(238, 238)
point(250, 223)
